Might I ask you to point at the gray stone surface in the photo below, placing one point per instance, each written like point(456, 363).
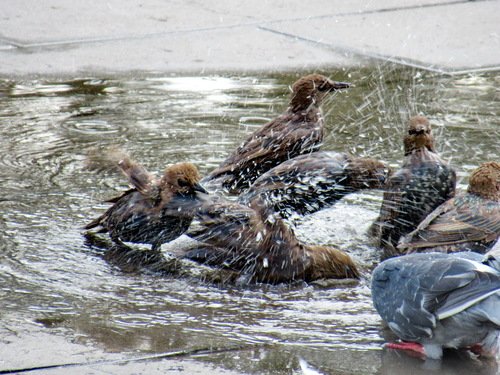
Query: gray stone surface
point(452, 37)
point(61, 37)
point(28, 350)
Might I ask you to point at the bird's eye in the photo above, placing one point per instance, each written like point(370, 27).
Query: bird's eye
point(323, 87)
point(182, 183)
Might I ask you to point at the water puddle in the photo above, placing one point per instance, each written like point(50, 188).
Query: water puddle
point(51, 281)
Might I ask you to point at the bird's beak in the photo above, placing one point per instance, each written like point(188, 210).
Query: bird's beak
point(340, 85)
point(201, 189)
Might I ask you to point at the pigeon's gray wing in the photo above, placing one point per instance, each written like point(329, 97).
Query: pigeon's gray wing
point(463, 284)
point(413, 291)
point(492, 257)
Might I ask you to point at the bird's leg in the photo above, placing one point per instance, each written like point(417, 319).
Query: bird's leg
point(414, 347)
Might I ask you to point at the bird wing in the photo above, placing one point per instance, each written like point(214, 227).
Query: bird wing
point(461, 284)
point(392, 203)
point(279, 137)
point(219, 223)
point(99, 220)
point(138, 177)
point(461, 219)
point(414, 291)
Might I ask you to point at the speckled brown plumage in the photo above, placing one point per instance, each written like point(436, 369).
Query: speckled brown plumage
point(308, 183)
point(469, 221)
point(155, 211)
point(297, 131)
point(423, 183)
point(260, 245)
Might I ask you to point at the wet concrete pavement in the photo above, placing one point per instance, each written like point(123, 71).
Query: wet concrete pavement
point(94, 37)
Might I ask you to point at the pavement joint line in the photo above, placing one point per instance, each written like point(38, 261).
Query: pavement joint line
point(385, 58)
point(167, 355)
point(381, 10)
point(259, 24)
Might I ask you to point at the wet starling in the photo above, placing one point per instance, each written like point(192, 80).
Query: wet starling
point(260, 245)
point(308, 183)
point(434, 301)
point(423, 183)
point(469, 221)
point(297, 131)
point(154, 211)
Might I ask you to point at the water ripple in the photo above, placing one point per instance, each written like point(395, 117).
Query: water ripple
point(49, 276)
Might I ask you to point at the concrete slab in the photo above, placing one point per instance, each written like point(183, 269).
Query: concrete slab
point(70, 37)
point(31, 22)
point(447, 38)
point(23, 351)
point(246, 48)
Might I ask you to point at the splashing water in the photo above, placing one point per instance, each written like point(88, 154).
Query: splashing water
point(51, 282)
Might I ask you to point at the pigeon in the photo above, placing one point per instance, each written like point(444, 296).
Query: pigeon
point(433, 301)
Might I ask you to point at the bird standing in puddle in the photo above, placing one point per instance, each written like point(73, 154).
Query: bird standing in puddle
point(154, 211)
point(298, 131)
point(423, 183)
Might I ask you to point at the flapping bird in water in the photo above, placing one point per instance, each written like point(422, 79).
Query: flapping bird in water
point(258, 243)
point(154, 211)
point(423, 183)
point(297, 131)
point(308, 183)
point(469, 221)
point(434, 301)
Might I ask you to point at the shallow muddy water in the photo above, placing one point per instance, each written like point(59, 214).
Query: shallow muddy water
point(62, 301)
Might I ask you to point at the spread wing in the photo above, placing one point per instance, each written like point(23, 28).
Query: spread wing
point(303, 184)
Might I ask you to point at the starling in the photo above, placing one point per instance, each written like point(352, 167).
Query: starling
point(423, 183)
point(434, 301)
point(297, 131)
point(308, 183)
point(154, 211)
point(469, 221)
point(256, 242)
